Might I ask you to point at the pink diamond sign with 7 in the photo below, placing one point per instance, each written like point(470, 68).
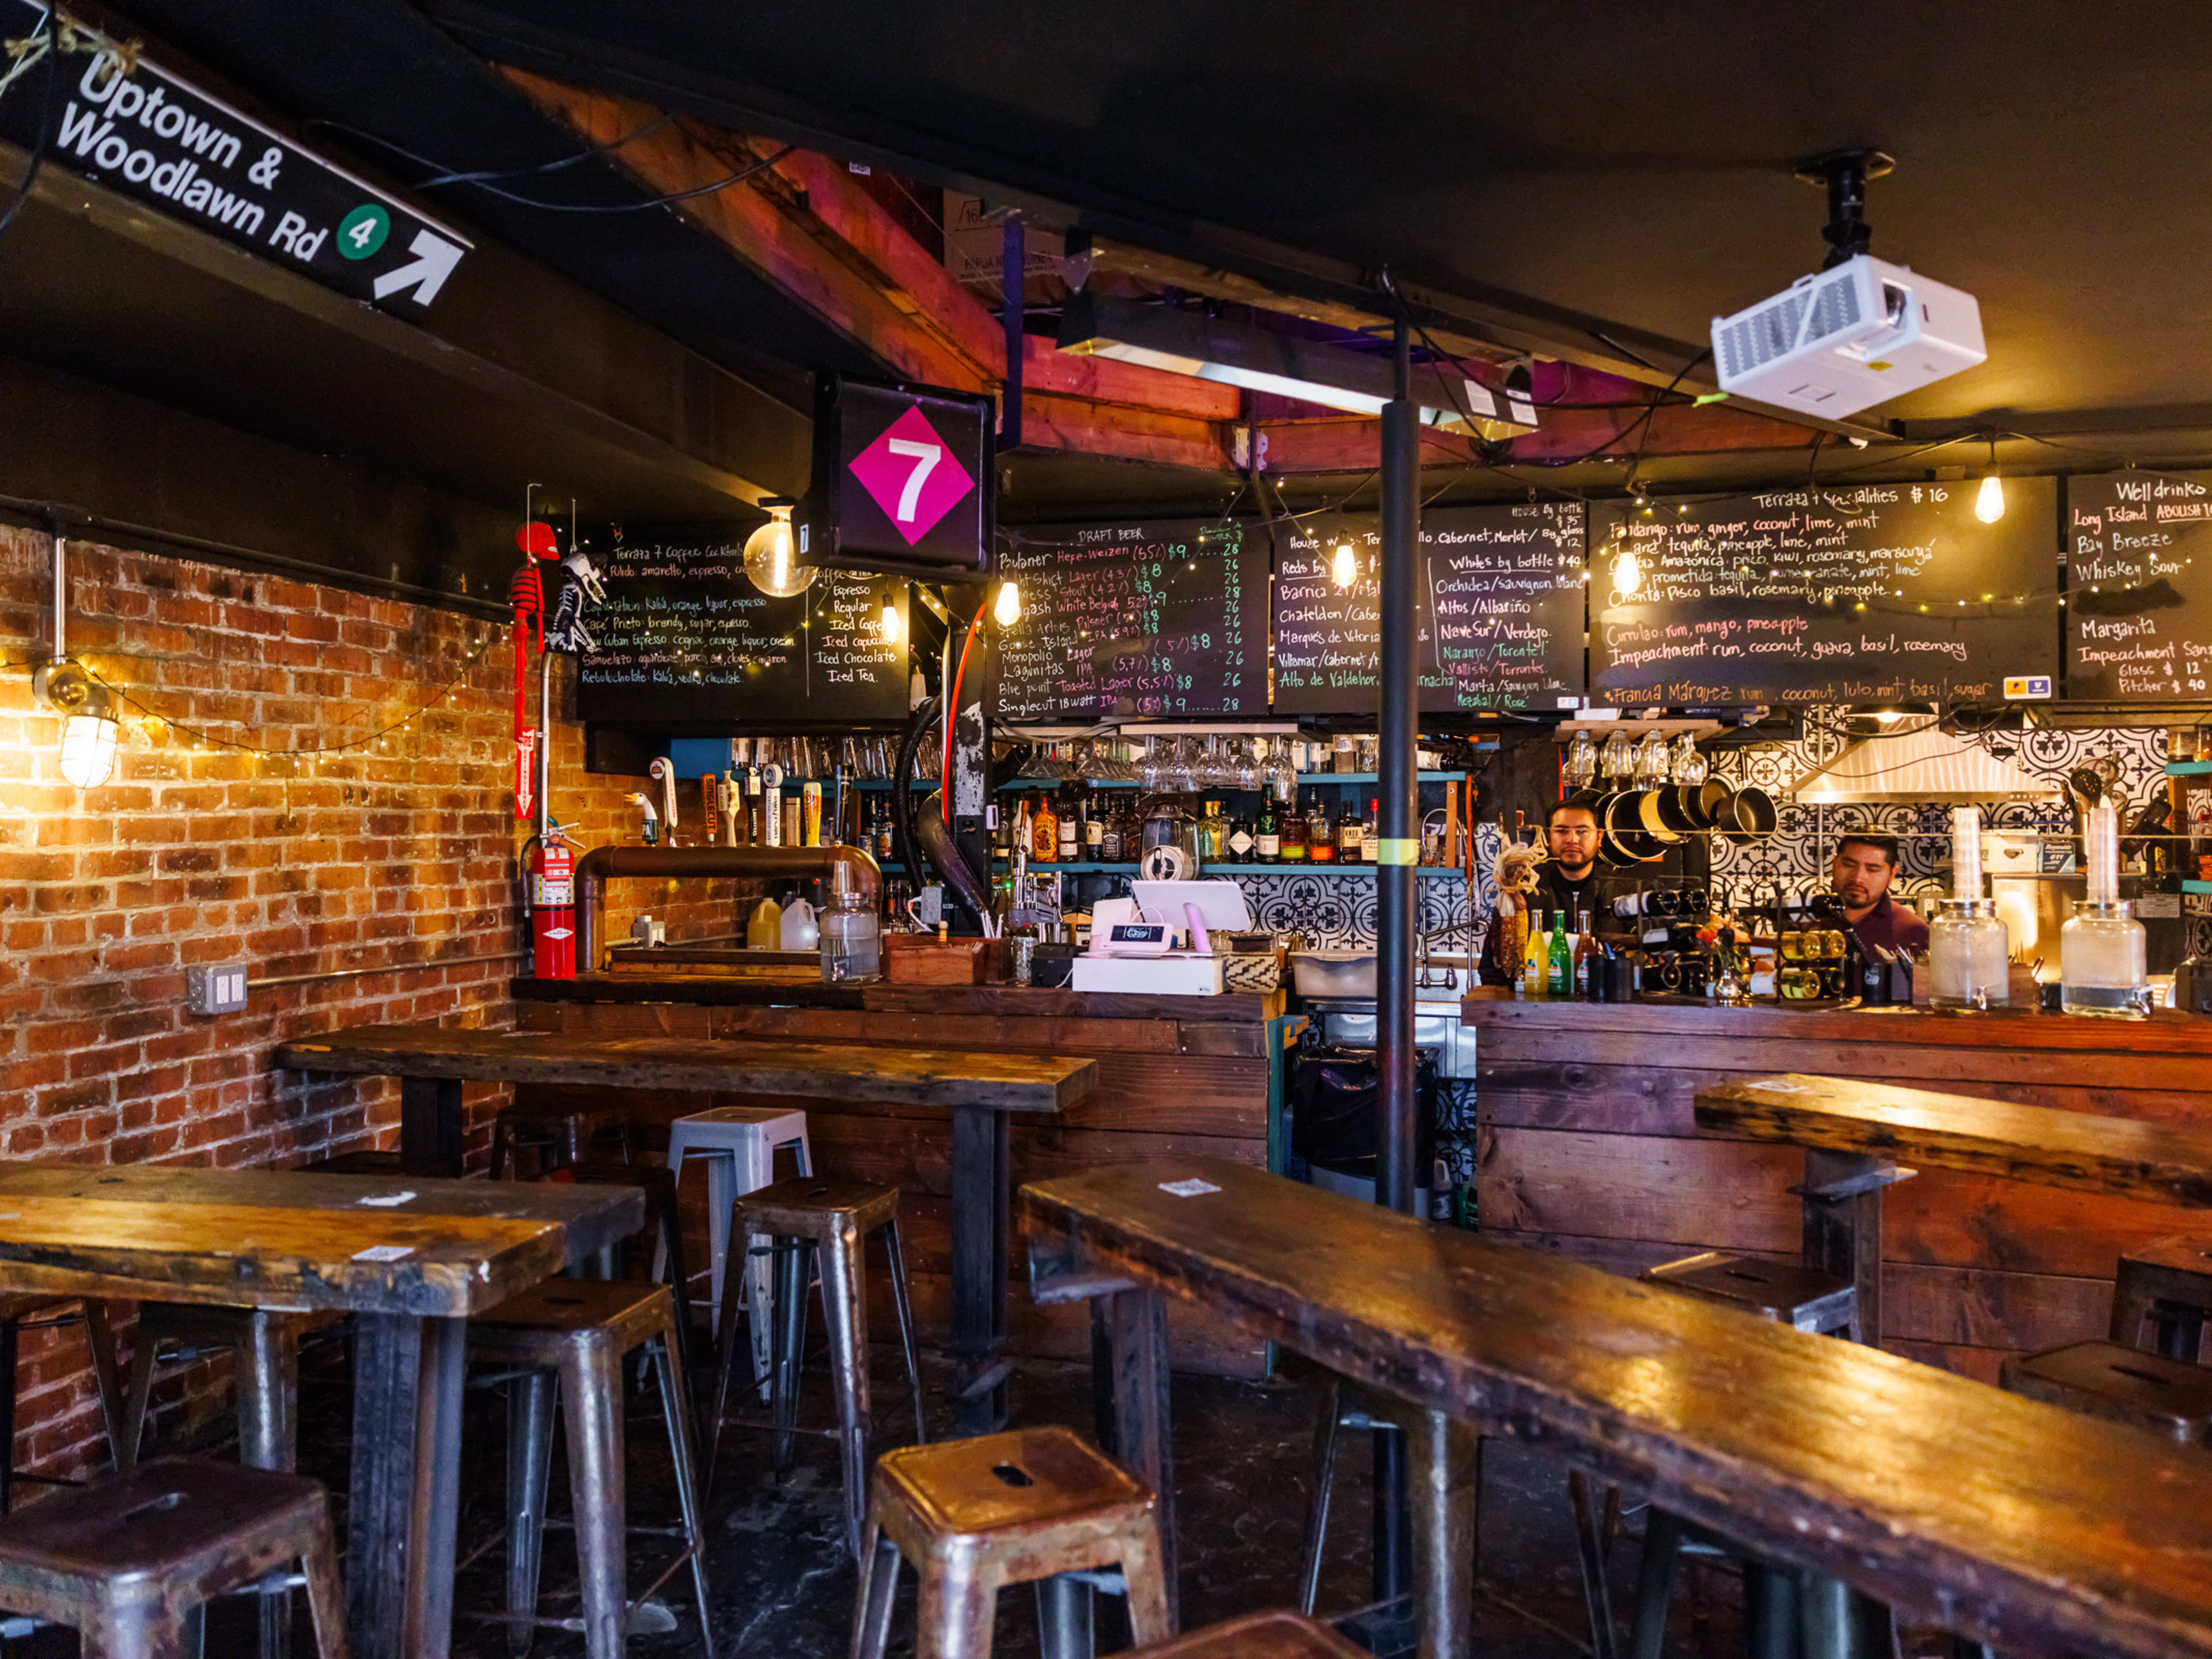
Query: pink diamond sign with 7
point(913, 475)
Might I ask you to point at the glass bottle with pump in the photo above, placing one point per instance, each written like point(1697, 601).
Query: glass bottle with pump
point(1969, 947)
point(850, 933)
point(2102, 966)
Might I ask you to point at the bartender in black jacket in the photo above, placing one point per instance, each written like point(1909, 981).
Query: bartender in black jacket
point(1568, 883)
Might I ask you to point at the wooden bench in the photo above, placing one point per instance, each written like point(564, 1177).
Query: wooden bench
point(432, 1062)
point(1853, 1132)
point(2013, 1523)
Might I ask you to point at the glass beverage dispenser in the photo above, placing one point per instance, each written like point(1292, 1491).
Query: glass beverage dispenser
point(2102, 962)
point(1969, 947)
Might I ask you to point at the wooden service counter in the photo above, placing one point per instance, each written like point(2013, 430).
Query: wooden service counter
point(1588, 1148)
point(1178, 1076)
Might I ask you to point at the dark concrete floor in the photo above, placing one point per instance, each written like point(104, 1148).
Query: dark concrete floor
point(783, 1585)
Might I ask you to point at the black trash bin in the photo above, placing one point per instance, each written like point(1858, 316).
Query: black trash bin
point(1331, 1097)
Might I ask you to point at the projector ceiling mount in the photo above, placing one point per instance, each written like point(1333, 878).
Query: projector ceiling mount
point(1845, 173)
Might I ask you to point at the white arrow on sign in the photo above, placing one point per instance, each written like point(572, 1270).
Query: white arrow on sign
point(434, 259)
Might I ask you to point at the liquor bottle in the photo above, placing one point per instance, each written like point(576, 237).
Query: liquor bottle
point(1044, 831)
point(882, 833)
point(1109, 834)
point(1213, 835)
point(1588, 962)
point(1351, 838)
point(1372, 834)
point(1268, 833)
point(1320, 834)
point(1293, 843)
point(1240, 841)
point(1559, 966)
point(1535, 975)
point(1094, 830)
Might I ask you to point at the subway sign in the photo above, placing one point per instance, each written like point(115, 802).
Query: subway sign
point(149, 135)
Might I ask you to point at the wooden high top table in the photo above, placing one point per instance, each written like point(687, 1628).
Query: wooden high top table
point(433, 1061)
point(1852, 1133)
point(410, 1259)
point(2011, 1521)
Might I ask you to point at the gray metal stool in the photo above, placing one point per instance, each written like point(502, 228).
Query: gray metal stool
point(128, 1561)
point(2164, 1291)
point(34, 1312)
point(566, 1338)
point(1786, 1611)
point(2169, 1397)
point(830, 1220)
point(1333, 1416)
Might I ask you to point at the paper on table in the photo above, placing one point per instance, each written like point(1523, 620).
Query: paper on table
point(1190, 1189)
point(385, 1201)
point(384, 1253)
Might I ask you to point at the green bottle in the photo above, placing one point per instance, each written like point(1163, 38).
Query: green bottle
point(1560, 964)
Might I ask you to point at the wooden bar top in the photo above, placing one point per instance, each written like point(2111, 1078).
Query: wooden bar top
point(2015, 1522)
point(271, 1238)
point(905, 1075)
point(2165, 1031)
point(2119, 1157)
point(1231, 1008)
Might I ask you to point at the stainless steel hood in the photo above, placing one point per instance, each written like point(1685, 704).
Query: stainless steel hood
point(1926, 764)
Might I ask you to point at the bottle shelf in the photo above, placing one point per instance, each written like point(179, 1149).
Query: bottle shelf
point(1308, 779)
point(1082, 867)
point(1428, 871)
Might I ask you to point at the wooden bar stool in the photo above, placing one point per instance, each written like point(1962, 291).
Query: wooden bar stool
point(832, 1221)
point(1037, 1506)
point(2166, 1286)
point(1788, 1292)
point(567, 1133)
point(2169, 1397)
point(569, 1338)
point(128, 1561)
point(1259, 1636)
point(1785, 1612)
point(739, 1145)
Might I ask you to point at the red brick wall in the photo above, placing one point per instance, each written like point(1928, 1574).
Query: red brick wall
point(399, 851)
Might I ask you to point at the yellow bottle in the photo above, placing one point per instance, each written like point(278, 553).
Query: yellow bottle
point(765, 931)
point(1535, 979)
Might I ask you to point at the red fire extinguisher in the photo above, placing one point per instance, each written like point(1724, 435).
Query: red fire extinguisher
point(552, 870)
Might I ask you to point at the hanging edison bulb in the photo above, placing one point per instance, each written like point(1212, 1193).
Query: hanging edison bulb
point(890, 621)
point(771, 560)
point(1006, 608)
point(1989, 502)
point(1627, 572)
point(1344, 567)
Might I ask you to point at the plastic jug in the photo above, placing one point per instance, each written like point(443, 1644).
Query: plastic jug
point(764, 931)
point(800, 931)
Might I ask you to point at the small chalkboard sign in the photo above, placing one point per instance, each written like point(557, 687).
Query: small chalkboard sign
point(684, 640)
point(1501, 611)
point(1874, 593)
point(1164, 619)
point(2139, 609)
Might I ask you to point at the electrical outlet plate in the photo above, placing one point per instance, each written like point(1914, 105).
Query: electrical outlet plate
point(216, 990)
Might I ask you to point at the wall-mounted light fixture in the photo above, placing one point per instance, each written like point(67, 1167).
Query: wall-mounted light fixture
point(81, 704)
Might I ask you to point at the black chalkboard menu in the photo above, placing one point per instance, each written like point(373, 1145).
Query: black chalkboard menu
point(2139, 611)
point(1167, 619)
point(1872, 594)
point(684, 639)
point(1501, 611)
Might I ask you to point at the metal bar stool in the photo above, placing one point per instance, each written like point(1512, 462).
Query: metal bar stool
point(128, 1561)
point(1040, 1506)
point(567, 1133)
point(658, 1186)
point(32, 1312)
point(1785, 1611)
point(830, 1220)
point(739, 1145)
point(1260, 1636)
point(2169, 1397)
point(2167, 1287)
point(567, 1339)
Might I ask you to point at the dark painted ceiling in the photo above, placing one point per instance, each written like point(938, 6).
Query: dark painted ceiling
point(1624, 160)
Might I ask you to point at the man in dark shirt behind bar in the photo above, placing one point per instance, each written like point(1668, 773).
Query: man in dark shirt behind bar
point(1863, 867)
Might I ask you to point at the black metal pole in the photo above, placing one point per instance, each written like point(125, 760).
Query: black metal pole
point(1013, 272)
point(1397, 855)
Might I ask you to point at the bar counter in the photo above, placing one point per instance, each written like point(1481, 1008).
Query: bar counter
point(1587, 1147)
point(1178, 1076)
